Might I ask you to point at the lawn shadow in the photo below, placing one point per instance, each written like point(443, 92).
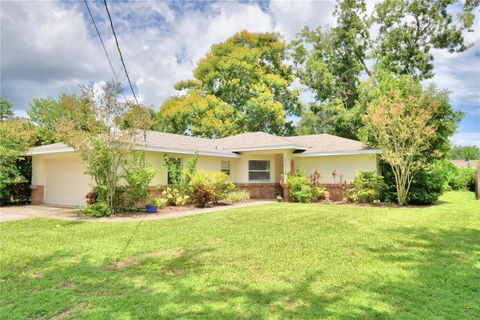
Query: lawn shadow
point(442, 273)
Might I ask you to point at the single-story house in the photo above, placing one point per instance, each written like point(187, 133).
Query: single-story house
point(256, 161)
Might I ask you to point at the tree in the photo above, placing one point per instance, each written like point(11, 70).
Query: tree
point(16, 136)
point(331, 61)
point(99, 137)
point(197, 115)
point(331, 118)
point(465, 153)
point(46, 114)
point(410, 29)
point(402, 127)
point(245, 79)
point(6, 112)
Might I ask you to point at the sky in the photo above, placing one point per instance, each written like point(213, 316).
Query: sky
point(49, 47)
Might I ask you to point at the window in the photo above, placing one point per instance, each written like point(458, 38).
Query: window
point(170, 175)
point(225, 167)
point(259, 170)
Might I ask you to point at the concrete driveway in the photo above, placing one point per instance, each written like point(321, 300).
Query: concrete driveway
point(44, 211)
point(37, 211)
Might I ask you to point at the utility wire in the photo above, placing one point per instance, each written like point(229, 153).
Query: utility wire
point(103, 45)
point(119, 51)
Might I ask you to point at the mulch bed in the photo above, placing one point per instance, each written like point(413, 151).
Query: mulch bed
point(175, 209)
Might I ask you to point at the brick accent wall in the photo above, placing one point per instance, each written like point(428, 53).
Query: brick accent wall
point(261, 190)
point(337, 191)
point(37, 194)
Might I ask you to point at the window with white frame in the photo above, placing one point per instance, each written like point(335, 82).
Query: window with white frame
point(259, 170)
point(225, 167)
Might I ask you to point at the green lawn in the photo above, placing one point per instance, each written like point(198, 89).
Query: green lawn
point(273, 261)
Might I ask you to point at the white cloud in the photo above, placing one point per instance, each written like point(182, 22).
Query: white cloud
point(467, 139)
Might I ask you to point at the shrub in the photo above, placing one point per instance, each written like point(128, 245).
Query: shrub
point(427, 185)
point(171, 195)
point(318, 192)
point(237, 196)
point(367, 186)
point(97, 210)
point(181, 178)
point(138, 176)
point(202, 195)
point(218, 182)
point(461, 178)
point(299, 186)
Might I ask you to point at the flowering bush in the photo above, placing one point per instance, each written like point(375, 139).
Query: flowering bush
point(237, 196)
point(218, 182)
point(202, 195)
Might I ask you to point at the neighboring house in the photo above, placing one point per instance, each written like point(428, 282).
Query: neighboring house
point(466, 163)
point(257, 162)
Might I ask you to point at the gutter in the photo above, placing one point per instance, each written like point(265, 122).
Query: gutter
point(337, 153)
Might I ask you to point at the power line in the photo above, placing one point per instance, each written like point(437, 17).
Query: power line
point(103, 45)
point(119, 51)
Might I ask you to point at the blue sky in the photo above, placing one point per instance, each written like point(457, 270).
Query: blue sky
point(50, 47)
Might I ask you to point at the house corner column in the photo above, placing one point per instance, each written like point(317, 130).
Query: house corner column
point(37, 194)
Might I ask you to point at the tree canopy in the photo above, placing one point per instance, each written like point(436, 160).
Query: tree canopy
point(397, 37)
point(245, 79)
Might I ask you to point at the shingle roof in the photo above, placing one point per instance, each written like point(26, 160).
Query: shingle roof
point(174, 143)
point(255, 141)
point(323, 143)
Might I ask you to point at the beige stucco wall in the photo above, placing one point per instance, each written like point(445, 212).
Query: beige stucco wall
point(207, 163)
point(346, 165)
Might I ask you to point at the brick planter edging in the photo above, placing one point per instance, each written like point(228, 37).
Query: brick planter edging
point(337, 190)
point(261, 190)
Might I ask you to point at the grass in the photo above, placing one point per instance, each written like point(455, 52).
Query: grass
point(275, 261)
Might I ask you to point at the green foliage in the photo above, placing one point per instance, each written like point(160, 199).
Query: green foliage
point(48, 113)
point(331, 117)
point(367, 186)
point(16, 136)
point(427, 186)
point(330, 61)
point(237, 196)
point(408, 30)
point(97, 210)
point(299, 186)
point(465, 153)
point(241, 85)
point(181, 177)
point(138, 174)
point(461, 178)
point(6, 112)
point(218, 182)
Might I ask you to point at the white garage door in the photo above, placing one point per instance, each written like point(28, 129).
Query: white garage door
point(65, 181)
